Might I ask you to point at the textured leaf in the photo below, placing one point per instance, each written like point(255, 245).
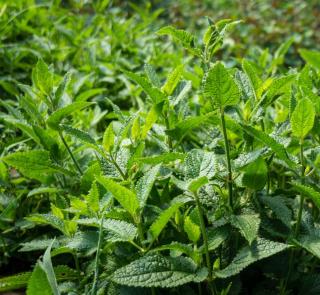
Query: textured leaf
point(83, 240)
point(216, 236)
point(176, 246)
point(191, 229)
point(248, 225)
point(56, 117)
point(278, 205)
point(182, 36)
point(264, 138)
point(163, 158)
point(254, 79)
point(311, 243)
point(197, 183)
point(127, 199)
point(152, 75)
point(48, 219)
point(153, 92)
point(158, 271)
point(34, 163)
point(309, 192)
point(255, 174)
point(108, 138)
point(38, 245)
point(43, 190)
point(61, 89)
point(145, 184)
point(93, 197)
point(151, 118)
point(220, 88)
point(43, 77)
point(302, 118)
point(259, 249)
point(14, 282)
point(173, 80)
point(311, 57)
point(119, 231)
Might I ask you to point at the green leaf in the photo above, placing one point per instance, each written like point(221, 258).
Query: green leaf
point(46, 266)
point(48, 219)
point(311, 57)
point(163, 158)
point(152, 75)
point(14, 282)
point(248, 225)
point(302, 118)
point(44, 190)
point(197, 183)
point(61, 90)
point(56, 117)
point(173, 80)
point(176, 246)
point(220, 88)
point(311, 244)
point(34, 163)
point(255, 174)
point(108, 138)
point(254, 79)
point(258, 250)
point(151, 118)
point(153, 92)
point(127, 199)
point(191, 229)
point(216, 236)
point(159, 224)
point(119, 231)
point(185, 38)
point(309, 192)
point(278, 205)
point(145, 184)
point(93, 198)
point(43, 77)
point(159, 271)
point(38, 283)
point(267, 140)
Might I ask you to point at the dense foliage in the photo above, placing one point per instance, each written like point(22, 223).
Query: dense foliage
point(137, 157)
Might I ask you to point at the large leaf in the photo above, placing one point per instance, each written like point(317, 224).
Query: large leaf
point(311, 57)
point(302, 118)
point(127, 199)
point(259, 249)
point(220, 88)
point(255, 174)
point(159, 271)
point(119, 231)
point(311, 243)
point(173, 80)
point(38, 283)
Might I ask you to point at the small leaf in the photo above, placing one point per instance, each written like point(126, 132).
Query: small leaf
point(197, 183)
point(173, 80)
point(108, 138)
point(311, 244)
point(255, 174)
point(61, 89)
point(311, 57)
point(43, 77)
point(220, 88)
point(163, 158)
point(127, 199)
point(159, 271)
point(119, 231)
point(302, 118)
point(151, 118)
point(56, 117)
point(192, 229)
point(308, 192)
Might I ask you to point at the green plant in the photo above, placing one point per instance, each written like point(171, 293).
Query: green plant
point(209, 179)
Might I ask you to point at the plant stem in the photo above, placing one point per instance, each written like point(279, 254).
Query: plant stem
point(205, 240)
point(166, 115)
point(118, 168)
point(70, 153)
point(227, 149)
point(96, 272)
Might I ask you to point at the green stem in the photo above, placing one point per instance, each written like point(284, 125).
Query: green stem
point(168, 127)
point(227, 148)
point(205, 240)
point(76, 261)
point(118, 168)
point(70, 153)
point(96, 272)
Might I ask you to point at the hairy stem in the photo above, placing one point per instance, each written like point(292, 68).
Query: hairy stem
point(70, 153)
point(227, 149)
point(96, 272)
point(205, 240)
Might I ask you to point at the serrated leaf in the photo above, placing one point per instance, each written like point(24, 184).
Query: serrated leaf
point(159, 224)
point(219, 87)
point(185, 38)
point(302, 118)
point(278, 205)
point(254, 79)
point(127, 199)
point(247, 224)
point(56, 117)
point(60, 91)
point(145, 184)
point(311, 243)
point(312, 57)
point(83, 240)
point(172, 80)
point(108, 138)
point(197, 183)
point(309, 192)
point(37, 245)
point(163, 158)
point(93, 198)
point(264, 138)
point(159, 271)
point(153, 92)
point(216, 236)
point(151, 118)
point(119, 231)
point(191, 229)
point(48, 219)
point(43, 190)
point(259, 249)
point(176, 246)
point(152, 75)
point(34, 164)
point(43, 77)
